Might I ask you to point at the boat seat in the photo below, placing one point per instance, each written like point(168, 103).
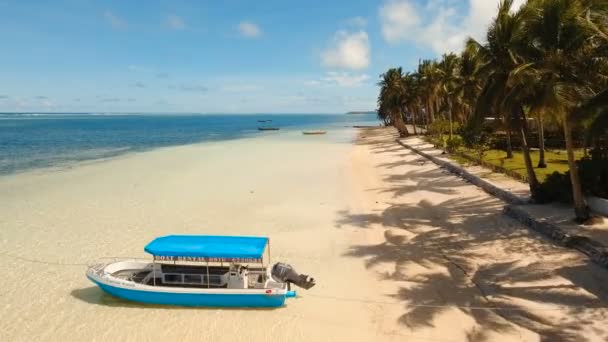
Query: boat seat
point(213, 270)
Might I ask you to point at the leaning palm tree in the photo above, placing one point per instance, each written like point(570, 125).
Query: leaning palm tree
point(408, 83)
point(383, 114)
point(499, 56)
point(391, 98)
point(562, 58)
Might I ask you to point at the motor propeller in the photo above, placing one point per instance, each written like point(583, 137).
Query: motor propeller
point(285, 273)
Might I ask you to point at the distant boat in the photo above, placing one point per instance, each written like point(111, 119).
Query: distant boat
point(264, 120)
point(268, 128)
point(317, 132)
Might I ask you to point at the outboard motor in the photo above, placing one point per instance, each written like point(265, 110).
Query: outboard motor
point(286, 274)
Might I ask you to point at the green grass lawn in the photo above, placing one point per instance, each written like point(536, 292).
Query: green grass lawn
point(556, 160)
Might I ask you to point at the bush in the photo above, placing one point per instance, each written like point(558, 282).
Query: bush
point(556, 188)
point(593, 173)
point(479, 141)
point(455, 143)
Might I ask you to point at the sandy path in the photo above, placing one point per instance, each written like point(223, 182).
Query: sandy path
point(395, 244)
point(444, 242)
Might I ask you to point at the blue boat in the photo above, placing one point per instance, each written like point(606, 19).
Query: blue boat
point(201, 270)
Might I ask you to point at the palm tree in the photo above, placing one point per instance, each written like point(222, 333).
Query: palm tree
point(562, 60)
point(390, 100)
point(594, 113)
point(448, 71)
point(542, 164)
point(430, 85)
point(468, 84)
point(411, 97)
point(499, 60)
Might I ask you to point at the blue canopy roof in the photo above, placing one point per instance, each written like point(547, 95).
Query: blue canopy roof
point(208, 246)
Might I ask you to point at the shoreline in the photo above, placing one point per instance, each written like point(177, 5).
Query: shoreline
point(63, 141)
point(398, 248)
point(69, 165)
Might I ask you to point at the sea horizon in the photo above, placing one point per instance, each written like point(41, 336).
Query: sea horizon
point(34, 140)
point(176, 113)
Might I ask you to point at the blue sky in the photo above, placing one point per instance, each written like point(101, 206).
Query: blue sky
point(232, 56)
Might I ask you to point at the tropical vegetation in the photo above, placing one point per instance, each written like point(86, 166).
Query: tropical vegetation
point(541, 70)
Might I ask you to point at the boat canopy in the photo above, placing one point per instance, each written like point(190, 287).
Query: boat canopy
point(207, 248)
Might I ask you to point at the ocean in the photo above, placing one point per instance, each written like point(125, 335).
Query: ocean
point(30, 140)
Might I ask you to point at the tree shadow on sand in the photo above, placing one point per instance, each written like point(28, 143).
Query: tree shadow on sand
point(471, 255)
point(428, 180)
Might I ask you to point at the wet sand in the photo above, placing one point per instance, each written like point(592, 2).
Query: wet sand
point(400, 249)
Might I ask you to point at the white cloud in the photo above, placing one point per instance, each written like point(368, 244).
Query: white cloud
point(342, 79)
point(439, 25)
point(175, 22)
point(249, 29)
point(398, 18)
point(115, 21)
point(348, 51)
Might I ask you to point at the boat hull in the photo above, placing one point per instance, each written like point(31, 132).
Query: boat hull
point(184, 298)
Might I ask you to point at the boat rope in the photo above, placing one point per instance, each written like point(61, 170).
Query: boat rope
point(42, 261)
point(445, 306)
point(367, 301)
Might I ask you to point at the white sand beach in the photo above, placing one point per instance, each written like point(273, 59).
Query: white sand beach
point(401, 250)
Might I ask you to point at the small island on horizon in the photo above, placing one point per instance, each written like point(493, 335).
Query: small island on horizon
point(362, 112)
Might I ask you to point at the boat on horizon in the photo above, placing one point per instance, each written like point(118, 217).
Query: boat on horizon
point(314, 132)
point(268, 128)
point(264, 120)
point(201, 270)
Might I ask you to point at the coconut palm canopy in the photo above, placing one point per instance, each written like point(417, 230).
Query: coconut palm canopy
point(544, 62)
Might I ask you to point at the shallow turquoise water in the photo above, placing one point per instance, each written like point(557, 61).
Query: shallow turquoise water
point(30, 141)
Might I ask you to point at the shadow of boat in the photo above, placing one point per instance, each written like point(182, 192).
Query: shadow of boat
point(94, 295)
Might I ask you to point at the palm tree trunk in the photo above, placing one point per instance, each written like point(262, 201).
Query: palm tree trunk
point(541, 142)
point(523, 130)
point(429, 111)
point(436, 108)
point(450, 118)
point(400, 125)
point(580, 206)
point(414, 121)
point(509, 145)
